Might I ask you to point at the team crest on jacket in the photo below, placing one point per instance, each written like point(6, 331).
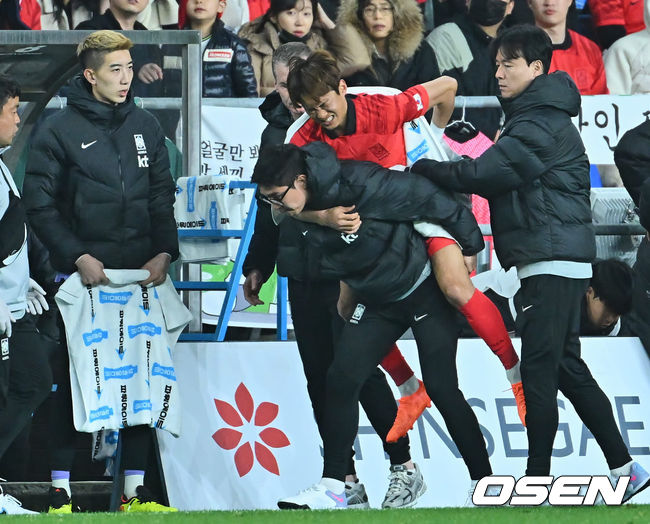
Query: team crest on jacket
point(141, 148)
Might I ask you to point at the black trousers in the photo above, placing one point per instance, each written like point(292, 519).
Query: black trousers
point(136, 440)
point(30, 379)
point(317, 326)
point(363, 345)
point(550, 360)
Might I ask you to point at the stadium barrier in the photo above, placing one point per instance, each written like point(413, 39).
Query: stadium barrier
point(249, 436)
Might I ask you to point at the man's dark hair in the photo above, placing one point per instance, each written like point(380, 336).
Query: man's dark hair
point(613, 283)
point(279, 165)
point(312, 78)
point(9, 88)
point(284, 53)
point(524, 41)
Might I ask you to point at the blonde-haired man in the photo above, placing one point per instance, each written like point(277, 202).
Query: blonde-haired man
point(99, 192)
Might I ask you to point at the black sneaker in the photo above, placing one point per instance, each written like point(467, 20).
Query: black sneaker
point(59, 501)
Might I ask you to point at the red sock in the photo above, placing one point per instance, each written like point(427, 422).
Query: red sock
point(485, 319)
point(396, 366)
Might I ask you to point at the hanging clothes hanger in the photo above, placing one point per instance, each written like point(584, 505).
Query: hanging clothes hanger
point(461, 130)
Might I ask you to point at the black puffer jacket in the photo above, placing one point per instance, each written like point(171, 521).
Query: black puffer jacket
point(227, 69)
point(279, 120)
point(263, 249)
point(385, 258)
point(97, 181)
point(536, 177)
point(632, 157)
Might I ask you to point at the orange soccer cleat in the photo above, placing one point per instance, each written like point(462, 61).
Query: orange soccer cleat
point(408, 411)
point(518, 392)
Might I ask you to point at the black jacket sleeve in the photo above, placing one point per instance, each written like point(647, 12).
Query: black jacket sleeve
point(43, 187)
point(243, 75)
point(164, 236)
point(405, 197)
point(510, 163)
point(263, 249)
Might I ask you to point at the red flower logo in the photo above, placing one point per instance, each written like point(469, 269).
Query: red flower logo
point(228, 438)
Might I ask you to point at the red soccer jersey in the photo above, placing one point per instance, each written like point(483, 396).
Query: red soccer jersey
point(628, 13)
point(583, 61)
point(373, 128)
point(30, 14)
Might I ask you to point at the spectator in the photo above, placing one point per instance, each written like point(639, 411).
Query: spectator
point(627, 63)
point(616, 18)
point(160, 14)
point(462, 49)
point(572, 52)
point(25, 377)
point(391, 31)
point(10, 15)
point(121, 15)
point(632, 157)
point(100, 195)
point(291, 21)
point(30, 13)
point(227, 70)
point(67, 14)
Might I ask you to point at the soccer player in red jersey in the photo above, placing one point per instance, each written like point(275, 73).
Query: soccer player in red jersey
point(370, 127)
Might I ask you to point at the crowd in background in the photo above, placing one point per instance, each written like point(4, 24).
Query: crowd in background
point(396, 43)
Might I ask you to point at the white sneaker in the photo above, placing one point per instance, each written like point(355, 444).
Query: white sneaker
point(356, 495)
point(316, 497)
point(12, 506)
point(639, 480)
point(405, 487)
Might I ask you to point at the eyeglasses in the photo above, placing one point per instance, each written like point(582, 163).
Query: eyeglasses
point(382, 9)
point(275, 201)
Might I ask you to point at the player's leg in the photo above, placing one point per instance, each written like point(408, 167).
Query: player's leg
point(481, 313)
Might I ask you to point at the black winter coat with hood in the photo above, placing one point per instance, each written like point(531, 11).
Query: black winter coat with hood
point(632, 157)
point(98, 181)
point(385, 257)
point(263, 249)
point(536, 177)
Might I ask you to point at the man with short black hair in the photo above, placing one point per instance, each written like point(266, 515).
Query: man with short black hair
point(25, 377)
point(536, 179)
point(385, 263)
